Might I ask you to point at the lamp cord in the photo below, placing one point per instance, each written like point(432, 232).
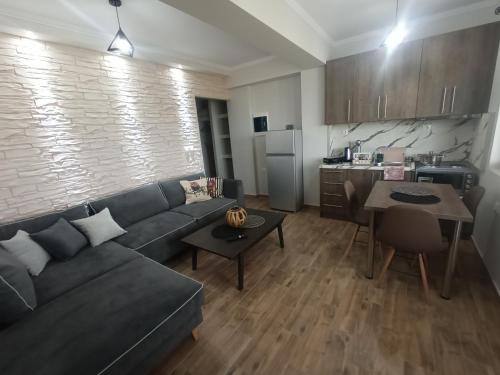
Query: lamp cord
point(118, 17)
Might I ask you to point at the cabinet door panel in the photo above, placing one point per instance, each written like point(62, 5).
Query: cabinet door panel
point(339, 81)
point(368, 85)
point(401, 75)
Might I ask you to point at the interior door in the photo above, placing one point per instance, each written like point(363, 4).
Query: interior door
point(339, 90)
point(401, 75)
point(368, 86)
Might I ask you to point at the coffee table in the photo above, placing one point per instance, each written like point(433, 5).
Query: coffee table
point(202, 239)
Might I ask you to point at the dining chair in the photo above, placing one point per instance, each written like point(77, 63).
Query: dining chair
point(412, 231)
point(471, 199)
point(355, 212)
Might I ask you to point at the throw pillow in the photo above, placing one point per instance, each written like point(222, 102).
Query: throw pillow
point(27, 251)
point(61, 240)
point(214, 186)
point(99, 228)
point(17, 292)
point(196, 191)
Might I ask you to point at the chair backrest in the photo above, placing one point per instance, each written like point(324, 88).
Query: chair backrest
point(410, 229)
point(472, 198)
point(352, 199)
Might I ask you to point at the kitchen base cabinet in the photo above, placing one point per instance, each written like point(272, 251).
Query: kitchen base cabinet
point(333, 201)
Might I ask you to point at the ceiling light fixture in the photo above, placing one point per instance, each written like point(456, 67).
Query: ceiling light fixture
point(397, 34)
point(120, 44)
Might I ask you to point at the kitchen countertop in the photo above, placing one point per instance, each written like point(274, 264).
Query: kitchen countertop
point(363, 167)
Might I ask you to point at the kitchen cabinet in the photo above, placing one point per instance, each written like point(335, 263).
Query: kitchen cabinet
point(449, 74)
point(333, 202)
point(339, 92)
point(457, 72)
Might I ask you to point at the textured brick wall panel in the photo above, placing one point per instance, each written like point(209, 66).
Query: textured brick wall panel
point(77, 124)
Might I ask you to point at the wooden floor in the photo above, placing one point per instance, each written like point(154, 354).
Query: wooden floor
point(304, 312)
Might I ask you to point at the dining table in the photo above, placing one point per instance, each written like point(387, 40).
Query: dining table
point(450, 207)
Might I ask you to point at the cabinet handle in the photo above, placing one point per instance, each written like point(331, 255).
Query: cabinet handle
point(444, 100)
point(385, 107)
point(349, 110)
point(378, 108)
point(453, 99)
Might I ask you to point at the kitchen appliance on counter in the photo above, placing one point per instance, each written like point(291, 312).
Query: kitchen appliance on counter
point(461, 175)
point(347, 154)
point(284, 169)
point(362, 158)
point(338, 160)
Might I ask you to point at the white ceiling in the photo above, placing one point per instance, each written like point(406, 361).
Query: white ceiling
point(345, 19)
point(159, 32)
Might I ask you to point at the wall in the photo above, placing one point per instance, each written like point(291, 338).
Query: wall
point(280, 99)
point(487, 226)
point(77, 124)
point(453, 138)
point(314, 131)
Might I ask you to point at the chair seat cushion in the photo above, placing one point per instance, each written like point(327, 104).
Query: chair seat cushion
point(131, 307)
point(169, 225)
point(207, 211)
point(91, 262)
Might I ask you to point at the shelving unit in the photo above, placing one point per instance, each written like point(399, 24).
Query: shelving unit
point(216, 144)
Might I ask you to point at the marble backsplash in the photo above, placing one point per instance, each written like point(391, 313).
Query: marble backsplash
point(457, 139)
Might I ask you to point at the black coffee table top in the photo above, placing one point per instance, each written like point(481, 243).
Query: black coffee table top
point(203, 239)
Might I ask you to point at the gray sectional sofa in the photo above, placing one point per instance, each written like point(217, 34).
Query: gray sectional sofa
point(114, 308)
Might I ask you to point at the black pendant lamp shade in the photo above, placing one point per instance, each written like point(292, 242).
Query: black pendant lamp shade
point(120, 45)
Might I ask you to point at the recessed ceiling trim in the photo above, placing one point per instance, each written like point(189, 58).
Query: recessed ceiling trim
point(309, 20)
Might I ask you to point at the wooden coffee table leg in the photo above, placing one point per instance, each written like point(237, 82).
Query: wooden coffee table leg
point(195, 258)
point(241, 271)
point(280, 234)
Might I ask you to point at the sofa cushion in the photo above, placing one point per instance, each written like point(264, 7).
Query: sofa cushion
point(27, 251)
point(99, 228)
point(37, 224)
point(17, 294)
point(170, 225)
point(132, 305)
point(132, 206)
point(204, 212)
point(91, 262)
point(173, 190)
point(61, 240)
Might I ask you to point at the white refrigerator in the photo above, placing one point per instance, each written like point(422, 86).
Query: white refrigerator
point(284, 169)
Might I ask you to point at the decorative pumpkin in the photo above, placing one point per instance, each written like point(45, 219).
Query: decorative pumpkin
point(236, 216)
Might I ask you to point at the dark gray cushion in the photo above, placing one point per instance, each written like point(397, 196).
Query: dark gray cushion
point(17, 295)
point(132, 206)
point(167, 225)
point(61, 240)
point(91, 262)
point(173, 190)
point(204, 212)
point(134, 308)
point(37, 224)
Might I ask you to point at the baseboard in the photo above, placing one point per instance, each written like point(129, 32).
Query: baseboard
point(476, 246)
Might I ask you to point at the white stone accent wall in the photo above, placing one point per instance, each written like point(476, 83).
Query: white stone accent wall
point(77, 124)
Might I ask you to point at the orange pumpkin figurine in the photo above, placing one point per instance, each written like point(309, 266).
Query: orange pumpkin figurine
point(236, 216)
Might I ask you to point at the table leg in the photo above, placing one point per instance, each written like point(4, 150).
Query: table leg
point(452, 259)
point(371, 245)
point(194, 258)
point(280, 235)
point(241, 271)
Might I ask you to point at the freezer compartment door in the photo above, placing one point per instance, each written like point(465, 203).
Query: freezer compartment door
point(281, 182)
point(280, 142)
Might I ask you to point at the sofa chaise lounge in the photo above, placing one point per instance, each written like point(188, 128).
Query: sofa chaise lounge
point(114, 309)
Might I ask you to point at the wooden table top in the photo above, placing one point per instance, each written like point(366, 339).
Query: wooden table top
point(451, 206)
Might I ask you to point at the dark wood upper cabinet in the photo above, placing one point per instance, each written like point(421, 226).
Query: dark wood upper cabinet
point(401, 76)
point(339, 90)
point(457, 72)
point(368, 84)
point(449, 74)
